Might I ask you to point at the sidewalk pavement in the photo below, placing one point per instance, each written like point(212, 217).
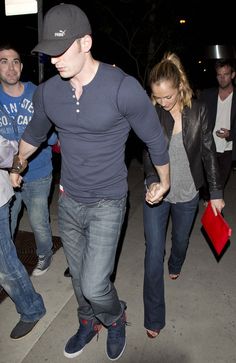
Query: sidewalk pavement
point(201, 304)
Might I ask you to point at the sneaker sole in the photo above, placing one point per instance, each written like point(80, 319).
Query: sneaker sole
point(39, 273)
point(113, 359)
point(72, 355)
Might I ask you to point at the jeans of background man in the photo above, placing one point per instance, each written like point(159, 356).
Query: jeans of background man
point(90, 234)
point(35, 196)
point(13, 276)
point(155, 228)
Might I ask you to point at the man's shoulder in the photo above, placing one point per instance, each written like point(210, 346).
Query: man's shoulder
point(54, 83)
point(30, 87)
point(53, 80)
point(114, 72)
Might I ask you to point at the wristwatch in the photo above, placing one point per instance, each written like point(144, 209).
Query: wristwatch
point(18, 166)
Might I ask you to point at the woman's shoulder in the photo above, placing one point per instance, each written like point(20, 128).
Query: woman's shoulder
point(198, 105)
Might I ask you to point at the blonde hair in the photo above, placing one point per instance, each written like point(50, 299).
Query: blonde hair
point(171, 69)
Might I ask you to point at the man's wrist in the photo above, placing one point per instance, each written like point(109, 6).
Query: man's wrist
point(18, 165)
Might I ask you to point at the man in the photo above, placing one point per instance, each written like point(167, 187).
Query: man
point(93, 106)
point(221, 103)
point(13, 276)
point(16, 110)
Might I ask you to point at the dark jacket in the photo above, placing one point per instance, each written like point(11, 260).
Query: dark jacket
point(210, 97)
point(198, 143)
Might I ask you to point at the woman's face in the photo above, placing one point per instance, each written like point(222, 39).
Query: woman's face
point(165, 95)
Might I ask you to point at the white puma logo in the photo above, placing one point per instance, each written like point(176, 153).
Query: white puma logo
point(60, 33)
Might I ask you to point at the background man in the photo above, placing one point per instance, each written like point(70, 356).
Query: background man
point(16, 111)
point(221, 104)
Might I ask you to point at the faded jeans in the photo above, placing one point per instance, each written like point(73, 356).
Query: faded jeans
point(90, 234)
point(155, 226)
point(13, 276)
point(35, 196)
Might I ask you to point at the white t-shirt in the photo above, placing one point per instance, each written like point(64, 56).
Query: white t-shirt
point(223, 120)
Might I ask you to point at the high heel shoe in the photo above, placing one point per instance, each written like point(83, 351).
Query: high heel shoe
point(152, 333)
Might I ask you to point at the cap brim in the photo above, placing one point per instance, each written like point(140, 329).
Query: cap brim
point(53, 47)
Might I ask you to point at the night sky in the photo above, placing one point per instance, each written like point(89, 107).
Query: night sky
point(116, 22)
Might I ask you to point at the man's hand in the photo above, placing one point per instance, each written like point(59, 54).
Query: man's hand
point(222, 133)
point(16, 180)
point(217, 205)
point(155, 193)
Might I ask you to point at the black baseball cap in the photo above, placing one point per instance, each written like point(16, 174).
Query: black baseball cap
point(62, 25)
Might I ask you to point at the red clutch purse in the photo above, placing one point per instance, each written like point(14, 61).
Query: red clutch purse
point(216, 228)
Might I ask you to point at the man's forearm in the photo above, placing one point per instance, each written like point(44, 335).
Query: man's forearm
point(20, 160)
point(164, 175)
point(26, 150)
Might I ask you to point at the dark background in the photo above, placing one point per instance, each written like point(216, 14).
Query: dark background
point(134, 35)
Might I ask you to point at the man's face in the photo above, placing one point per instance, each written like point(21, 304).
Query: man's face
point(224, 76)
point(10, 67)
point(70, 63)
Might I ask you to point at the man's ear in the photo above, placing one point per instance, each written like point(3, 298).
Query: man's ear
point(86, 43)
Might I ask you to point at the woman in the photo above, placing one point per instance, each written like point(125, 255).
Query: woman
point(191, 147)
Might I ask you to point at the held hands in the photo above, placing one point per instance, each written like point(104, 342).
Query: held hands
point(155, 193)
point(217, 205)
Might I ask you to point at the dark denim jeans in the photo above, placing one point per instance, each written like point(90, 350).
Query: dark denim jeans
point(155, 226)
point(13, 276)
point(35, 197)
point(90, 234)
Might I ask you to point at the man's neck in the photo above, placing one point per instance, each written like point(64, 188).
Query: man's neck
point(225, 92)
point(84, 77)
point(15, 90)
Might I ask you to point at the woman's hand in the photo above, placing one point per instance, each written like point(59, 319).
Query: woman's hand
point(217, 205)
point(16, 180)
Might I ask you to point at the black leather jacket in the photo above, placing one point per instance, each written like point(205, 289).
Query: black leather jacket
point(199, 146)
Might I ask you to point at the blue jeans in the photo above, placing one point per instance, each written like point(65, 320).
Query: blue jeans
point(90, 234)
point(13, 276)
point(35, 197)
point(155, 227)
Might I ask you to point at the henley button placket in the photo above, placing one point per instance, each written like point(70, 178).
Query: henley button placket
point(77, 102)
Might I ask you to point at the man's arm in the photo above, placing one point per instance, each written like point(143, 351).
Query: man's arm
point(26, 150)
point(156, 191)
point(20, 163)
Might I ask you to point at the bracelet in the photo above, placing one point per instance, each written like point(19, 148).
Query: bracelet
point(18, 167)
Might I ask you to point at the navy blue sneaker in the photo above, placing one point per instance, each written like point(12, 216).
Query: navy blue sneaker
point(87, 331)
point(116, 338)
